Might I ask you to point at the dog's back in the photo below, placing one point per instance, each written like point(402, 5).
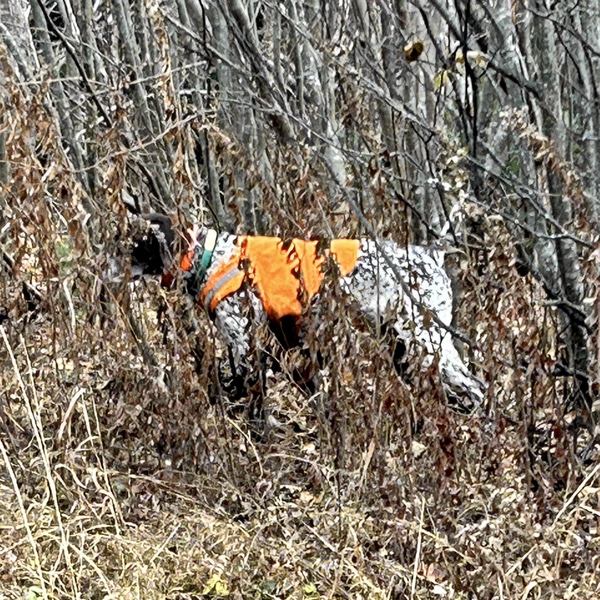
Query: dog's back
point(285, 275)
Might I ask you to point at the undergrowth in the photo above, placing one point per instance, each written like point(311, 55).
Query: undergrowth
point(125, 474)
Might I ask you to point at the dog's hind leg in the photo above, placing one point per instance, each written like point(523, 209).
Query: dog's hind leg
point(432, 292)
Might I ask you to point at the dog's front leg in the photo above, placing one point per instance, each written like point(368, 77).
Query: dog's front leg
point(238, 318)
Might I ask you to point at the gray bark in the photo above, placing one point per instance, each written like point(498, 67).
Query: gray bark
point(230, 106)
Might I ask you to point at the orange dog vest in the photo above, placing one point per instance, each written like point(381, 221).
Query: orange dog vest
point(286, 276)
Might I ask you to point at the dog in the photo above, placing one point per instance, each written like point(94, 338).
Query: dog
point(244, 282)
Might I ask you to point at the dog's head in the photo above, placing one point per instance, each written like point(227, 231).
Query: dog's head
point(153, 246)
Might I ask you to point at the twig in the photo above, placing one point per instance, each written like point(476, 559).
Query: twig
point(413, 584)
point(78, 65)
point(576, 493)
point(164, 544)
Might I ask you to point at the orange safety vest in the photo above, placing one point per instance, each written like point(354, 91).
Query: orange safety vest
point(286, 276)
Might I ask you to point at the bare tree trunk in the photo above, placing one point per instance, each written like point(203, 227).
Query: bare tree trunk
point(62, 106)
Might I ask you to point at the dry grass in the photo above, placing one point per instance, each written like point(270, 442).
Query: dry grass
point(121, 480)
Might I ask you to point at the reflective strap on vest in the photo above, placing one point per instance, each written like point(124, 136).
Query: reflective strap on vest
point(219, 284)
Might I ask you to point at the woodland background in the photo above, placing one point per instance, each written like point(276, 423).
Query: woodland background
point(123, 474)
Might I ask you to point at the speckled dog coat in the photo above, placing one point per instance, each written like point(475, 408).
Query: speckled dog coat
point(245, 280)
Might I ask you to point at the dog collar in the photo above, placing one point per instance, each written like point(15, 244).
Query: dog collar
point(198, 267)
point(208, 250)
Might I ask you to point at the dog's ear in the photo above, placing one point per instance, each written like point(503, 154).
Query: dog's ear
point(153, 245)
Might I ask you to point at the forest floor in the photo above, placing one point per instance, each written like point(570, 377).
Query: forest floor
point(124, 478)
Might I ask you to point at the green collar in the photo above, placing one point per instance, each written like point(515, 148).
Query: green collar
point(210, 242)
point(200, 267)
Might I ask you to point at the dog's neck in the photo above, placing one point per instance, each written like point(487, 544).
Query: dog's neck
point(199, 256)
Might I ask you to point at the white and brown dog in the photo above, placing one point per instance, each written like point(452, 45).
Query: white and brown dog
point(245, 281)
